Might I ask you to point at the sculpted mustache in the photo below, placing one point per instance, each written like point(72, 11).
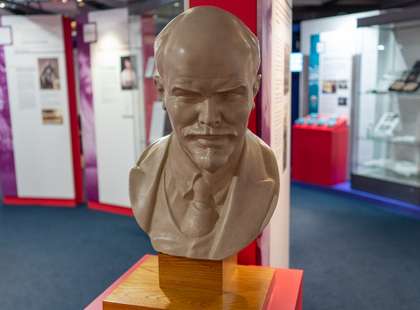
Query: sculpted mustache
point(192, 131)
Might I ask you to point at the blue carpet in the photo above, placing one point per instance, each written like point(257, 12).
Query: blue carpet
point(355, 255)
point(58, 258)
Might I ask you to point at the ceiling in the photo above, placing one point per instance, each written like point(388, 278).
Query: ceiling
point(74, 7)
point(302, 9)
point(309, 9)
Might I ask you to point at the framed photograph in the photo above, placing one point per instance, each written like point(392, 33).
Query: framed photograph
point(342, 84)
point(52, 117)
point(128, 77)
point(90, 34)
point(49, 75)
point(329, 87)
point(342, 101)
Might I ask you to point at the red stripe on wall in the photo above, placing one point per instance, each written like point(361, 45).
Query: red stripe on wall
point(110, 208)
point(246, 10)
point(16, 201)
point(74, 119)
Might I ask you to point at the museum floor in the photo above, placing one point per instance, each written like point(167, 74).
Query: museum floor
point(355, 254)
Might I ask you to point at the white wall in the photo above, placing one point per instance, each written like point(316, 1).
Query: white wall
point(337, 23)
point(346, 24)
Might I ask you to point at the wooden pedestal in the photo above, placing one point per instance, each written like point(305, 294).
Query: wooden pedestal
point(191, 284)
point(204, 274)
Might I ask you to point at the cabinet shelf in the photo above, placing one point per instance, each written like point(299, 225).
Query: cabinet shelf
point(391, 140)
point(386, 174)
point(415, 95)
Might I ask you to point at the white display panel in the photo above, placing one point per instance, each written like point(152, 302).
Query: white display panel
point(335, 71)
point(296, 62)
point(276, 48)
point(308, 28)
point(38, 96)
point(117, 101)
point(158, 122)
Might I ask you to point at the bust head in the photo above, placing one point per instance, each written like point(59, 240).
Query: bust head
point(207, 75)
point(208, 189)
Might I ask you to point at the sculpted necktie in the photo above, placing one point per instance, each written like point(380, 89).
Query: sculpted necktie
point(201, 215)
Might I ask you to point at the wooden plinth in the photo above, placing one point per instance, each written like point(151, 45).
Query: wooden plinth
point(247, 289)
point(212, 275)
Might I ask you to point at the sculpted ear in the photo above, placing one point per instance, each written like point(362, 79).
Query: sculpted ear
point(159, 87)
point(256, 86)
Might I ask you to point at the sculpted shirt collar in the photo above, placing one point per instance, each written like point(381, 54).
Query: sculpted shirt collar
point(182, 168)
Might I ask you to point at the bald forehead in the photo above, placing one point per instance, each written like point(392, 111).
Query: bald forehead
point(206, 36)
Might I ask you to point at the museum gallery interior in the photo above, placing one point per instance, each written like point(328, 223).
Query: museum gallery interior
point(209, 154)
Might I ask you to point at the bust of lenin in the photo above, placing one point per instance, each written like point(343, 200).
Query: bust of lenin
point(209, 188)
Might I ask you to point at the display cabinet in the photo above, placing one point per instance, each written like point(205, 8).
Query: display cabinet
point(386, 113)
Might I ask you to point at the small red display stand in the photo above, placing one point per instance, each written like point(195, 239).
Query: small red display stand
point(319, 153)
point(285, 291)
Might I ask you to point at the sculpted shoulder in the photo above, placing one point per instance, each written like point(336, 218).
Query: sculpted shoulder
point(154, 150)
point(270, 161)
point(144, 179)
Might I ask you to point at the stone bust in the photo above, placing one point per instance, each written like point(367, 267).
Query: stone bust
point(209, 188)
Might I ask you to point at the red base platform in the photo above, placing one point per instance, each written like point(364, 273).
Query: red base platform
point(319, 154)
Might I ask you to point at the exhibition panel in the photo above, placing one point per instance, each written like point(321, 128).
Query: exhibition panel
point(40, 155)
point(275, 37)
point(335, 51)
point(113, 113)
point(328, 46)
point(386, 136)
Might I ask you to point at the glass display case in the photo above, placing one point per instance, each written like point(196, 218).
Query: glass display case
point(386, 113)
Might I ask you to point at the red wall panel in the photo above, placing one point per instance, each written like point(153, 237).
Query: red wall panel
point(246, 10)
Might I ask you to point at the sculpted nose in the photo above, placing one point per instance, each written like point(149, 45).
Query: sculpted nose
point(209, 114)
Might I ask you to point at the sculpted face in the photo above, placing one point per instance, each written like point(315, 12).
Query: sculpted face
point(208, 82)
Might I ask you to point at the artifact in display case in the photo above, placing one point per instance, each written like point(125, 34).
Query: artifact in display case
point(386, 125)
point(409, 81)
point(386, 131)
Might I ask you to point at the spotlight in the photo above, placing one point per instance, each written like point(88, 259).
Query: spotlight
point(64, 1)
point(2, 5)
point(79, 1)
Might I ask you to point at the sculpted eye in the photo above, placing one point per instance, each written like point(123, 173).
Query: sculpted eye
point(237, 93)
point(179, 92)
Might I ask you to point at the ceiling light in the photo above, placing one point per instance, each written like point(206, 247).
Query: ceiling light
point(64, 1)
point(2, 5)
point(176, 4)
point(79, 1)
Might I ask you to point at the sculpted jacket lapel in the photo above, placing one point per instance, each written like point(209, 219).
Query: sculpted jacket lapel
point(250, 191)
point(143, 189)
